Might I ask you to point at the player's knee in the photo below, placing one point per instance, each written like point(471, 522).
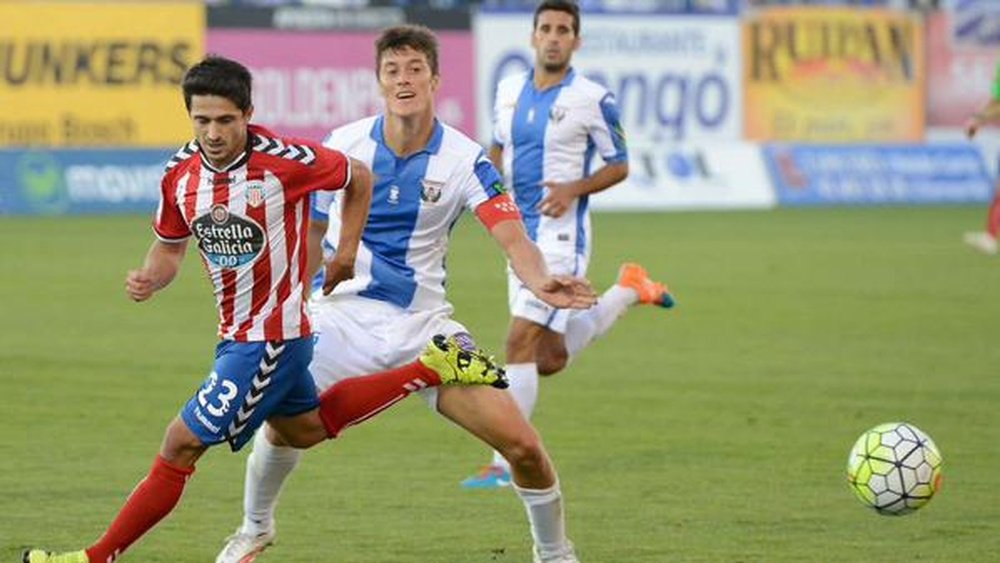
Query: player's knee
point(180, 445)
point(303, 431)
point(551, 362)
point(303, 439)
point(522, 340)
point(526, 453)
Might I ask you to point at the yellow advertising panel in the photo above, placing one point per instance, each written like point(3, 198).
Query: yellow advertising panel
point(833, 75)
point(95, 73)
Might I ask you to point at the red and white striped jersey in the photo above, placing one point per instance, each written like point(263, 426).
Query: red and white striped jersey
point(250, 221)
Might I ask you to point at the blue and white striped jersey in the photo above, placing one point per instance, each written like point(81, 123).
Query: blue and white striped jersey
point(415, 203)
point(552, 135)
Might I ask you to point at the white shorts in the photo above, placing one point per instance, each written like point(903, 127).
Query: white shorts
point(525, 305)
point(359, 336)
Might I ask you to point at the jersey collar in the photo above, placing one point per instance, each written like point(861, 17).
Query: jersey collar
point(570, 74)
point(433, 145)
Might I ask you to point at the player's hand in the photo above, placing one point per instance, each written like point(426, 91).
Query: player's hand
point(566, 292)
point(971, 127)
point(558, 199)
point(139, 285)
point(338, 269)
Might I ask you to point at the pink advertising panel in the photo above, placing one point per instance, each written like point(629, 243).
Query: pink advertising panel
point(308, 83)
point(959, 73)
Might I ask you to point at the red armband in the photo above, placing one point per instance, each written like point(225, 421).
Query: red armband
point(497, 210)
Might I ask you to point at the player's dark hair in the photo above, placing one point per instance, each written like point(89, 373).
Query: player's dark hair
point(567, 6)
point(218, 76)
point(417, 37)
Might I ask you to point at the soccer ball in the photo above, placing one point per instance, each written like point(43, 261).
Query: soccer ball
point(894, 468)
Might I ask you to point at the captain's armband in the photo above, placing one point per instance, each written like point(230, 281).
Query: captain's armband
point(497, 210)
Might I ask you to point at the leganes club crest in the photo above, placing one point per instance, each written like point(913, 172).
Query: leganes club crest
point(431, 191)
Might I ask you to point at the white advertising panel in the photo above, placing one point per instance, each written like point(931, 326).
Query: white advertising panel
point(717, 175)
point(676, 77)
point(677, 82)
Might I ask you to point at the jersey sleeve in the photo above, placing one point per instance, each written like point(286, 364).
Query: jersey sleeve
point(606, 131)
point(168, 223)
point(309, 168)
point(331, 171)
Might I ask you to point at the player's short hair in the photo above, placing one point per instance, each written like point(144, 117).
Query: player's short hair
point(218, 76)
point(567, 6)
point(417, 37)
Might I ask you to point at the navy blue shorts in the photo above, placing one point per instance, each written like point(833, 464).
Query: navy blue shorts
point(250, 382)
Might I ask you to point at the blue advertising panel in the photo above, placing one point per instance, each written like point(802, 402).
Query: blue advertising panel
point(816, 175)
point(48, 182)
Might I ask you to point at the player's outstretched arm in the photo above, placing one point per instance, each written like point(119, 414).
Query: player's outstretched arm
point(357, 200)
point(990, 113)
point(564, 292)
point(163, 261)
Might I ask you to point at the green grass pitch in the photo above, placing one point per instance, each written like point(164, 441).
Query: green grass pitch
point(718, 432)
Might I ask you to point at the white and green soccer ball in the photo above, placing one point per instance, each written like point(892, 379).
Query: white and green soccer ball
point(894, 468)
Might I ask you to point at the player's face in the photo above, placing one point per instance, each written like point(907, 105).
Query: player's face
point(220, 127)
point(407, 83)
point(554, 40)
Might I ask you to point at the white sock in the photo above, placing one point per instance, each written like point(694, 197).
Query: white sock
point(545, 514)
point(524, 388)
point(267, 469)
point(585, 326)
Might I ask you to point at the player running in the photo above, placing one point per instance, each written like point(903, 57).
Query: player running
point(243, 194)
point(426, 174)
point(549, 123)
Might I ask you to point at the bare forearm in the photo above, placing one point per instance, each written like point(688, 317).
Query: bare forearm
point(162, 263)
point(524, 257)
point(314, 242)
point(989, 112)
point(602, 179)
point(357, 198)
point(528, 263)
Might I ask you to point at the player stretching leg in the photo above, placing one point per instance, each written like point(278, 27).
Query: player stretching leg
point(244, 195)
point(427, 174)
point(547, 124)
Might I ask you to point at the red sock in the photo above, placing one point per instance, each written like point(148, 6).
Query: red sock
point(354, 400)
point(993, 217)
point(153, 498)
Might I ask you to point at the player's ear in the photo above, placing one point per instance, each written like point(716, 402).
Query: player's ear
point(435, 82)
point(577, 42)
point(248, 114)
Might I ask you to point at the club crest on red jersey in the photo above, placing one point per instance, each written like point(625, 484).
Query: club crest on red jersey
point(255, 194)
point(219, 214)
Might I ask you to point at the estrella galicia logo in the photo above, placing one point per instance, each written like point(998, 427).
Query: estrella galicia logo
point(227, 240)
point(40, 177)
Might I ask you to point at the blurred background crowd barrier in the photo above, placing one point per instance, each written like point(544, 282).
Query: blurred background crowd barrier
point(725, 103)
